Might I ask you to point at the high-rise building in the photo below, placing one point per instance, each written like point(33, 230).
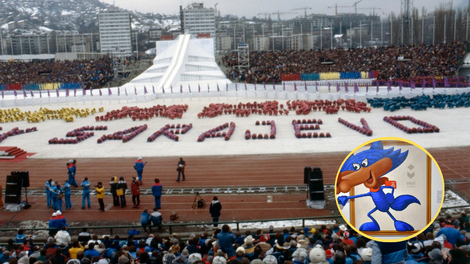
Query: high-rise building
point(115, 33)
point(195, 19)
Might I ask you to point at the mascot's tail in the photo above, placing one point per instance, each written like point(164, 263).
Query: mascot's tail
point(402, 201)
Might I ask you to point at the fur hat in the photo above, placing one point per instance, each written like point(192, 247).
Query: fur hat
point(242, 249)
point(366, 254)
point(317, 255)
point(123, 259)
point(270, 259)
point(249, 240)
point(219, 260)
point(169, 258)
point(194, 257)
point(185, 252)
point(436, 254)
point(300, 254)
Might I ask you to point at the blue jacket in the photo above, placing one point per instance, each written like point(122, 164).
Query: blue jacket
point(86, 186)
point(139, 165)
point(388, 253)
point(92, 252)
point(453, 235)
point(48, 187)
point(157, 189)
point(226, 240)
point(54, 191)
point(145, 218)
point(67, 188)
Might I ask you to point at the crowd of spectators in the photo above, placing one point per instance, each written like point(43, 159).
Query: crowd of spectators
point(90, 73)
point(391, 62)
point(446, 243)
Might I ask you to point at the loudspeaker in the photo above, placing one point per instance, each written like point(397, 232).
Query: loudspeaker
point(25, 177)
point(316, 189)
point(307, 171)
point(15, 173)
point(13, 189)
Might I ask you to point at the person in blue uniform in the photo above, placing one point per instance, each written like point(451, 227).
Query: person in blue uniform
point(157, 193)
point(72, 169)
point(47, 187)
point(53, 192)
point(139, 167)
point(86, 192)
point(59, 197)
point(67, 190)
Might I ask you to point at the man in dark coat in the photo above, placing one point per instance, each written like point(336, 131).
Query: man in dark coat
point(215, 209)
point(157, 193)
point(226, 239)
point(113, 184)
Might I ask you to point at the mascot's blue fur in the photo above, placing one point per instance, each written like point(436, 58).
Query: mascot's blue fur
point(368, 167)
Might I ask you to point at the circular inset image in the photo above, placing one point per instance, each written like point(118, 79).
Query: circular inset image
point(389, 189)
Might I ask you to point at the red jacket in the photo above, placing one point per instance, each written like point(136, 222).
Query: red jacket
point(135, 189)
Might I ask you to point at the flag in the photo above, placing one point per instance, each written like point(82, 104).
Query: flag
point(74, 92)
point(49, 93)
point(389, 86)
point(316, 86)
point(67, 92)
point(83, 92)
point(57, 92)
point(218, 89)
point(153, 89)
point(171, 88)
point(226, 87)
point(199, 88)
point(32, 95)
point(91, 91)
point(208, 88)
point(356, 88)
point(400, 85)
point(24, 93)
point(367, 88)
point(3, 94)
point(125, 90)
point(236, 87)
point(101, 94)
point(181, 88)
point(189, 88)
point(423, 84)
point(16, 94)
point(305, 83)
point(346, 87)
point(255, 86)
point(434, 82)
point(135, 90)
point(412, 84)
point(40, 94)
point(264, 85)
point(145, 90)
point(109, 91)
point(377, 89)
point(329, 87)
point(246, 88)
point(295, 86)
point(274, 86)
point(337, 88)
point(457, 83)
point(284, 86)
point(119, 91)
point(163, 90)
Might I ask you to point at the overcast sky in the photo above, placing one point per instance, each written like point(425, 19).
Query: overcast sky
point(250, 8)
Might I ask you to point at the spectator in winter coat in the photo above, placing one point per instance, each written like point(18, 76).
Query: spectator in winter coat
point(113, 185)
point(145, 220)
point(157, 193)
point(121, 191)
point(139, 168)
point(100, 195)
point(226, 239)
point(215, 210)
point(63, 237)
point(452, 233)
point(135, 190)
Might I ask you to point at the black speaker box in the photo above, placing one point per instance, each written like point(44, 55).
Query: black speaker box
point(307, 171)
point(25, 177)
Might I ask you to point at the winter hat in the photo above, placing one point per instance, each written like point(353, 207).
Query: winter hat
point(436, 254)
point(242, 249)
point(194, 257)
point(219, 260)
point(169, 258)
point(54, 214)
point(123, 259)
point(103, 261)
point(300, 254)
point(140, 157)
point(271, 228)
point(185, 253)
point(256, 261)
point(345, 234)
point(270, 259)
point(249, 240)
point(366, 254)
point(417, 247)
point(220, 253)
point(317, 255)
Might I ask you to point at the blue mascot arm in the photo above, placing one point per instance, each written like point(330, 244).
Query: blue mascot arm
point(343, 200)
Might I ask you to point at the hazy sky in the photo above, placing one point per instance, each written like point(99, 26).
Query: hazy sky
point(250, 8)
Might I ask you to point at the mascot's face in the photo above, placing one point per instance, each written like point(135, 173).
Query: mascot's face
point(363, 172)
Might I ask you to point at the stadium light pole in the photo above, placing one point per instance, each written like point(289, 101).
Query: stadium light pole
point(21, 46)
point(381, 32)
point(48, 46)
point(391, 32)
point(331, 35)
point(466, 29)
point(422, 29)
point(433, 29)
point(321, 35)
point(445, 30)
point(360, 33)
